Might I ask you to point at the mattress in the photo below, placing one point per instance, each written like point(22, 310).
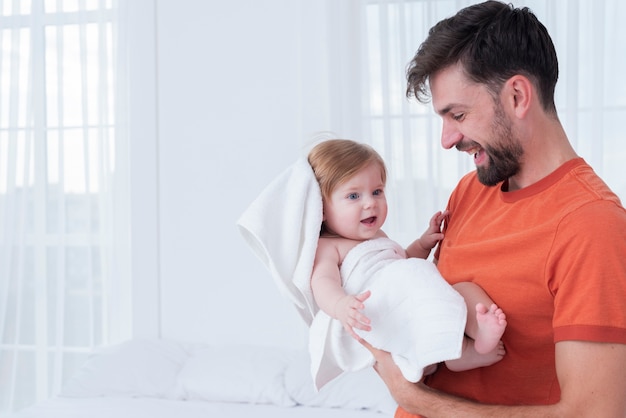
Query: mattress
point(161, 378)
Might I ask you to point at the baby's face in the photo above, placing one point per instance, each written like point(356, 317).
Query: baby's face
point(357, 208)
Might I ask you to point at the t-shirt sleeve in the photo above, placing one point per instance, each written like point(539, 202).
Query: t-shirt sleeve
point(587, 274)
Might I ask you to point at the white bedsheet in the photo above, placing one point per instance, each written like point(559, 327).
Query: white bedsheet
point(166, 408)
point(159, 378)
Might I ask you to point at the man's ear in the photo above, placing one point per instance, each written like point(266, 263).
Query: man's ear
point(519, 93)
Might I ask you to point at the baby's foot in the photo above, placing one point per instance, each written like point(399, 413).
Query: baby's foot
point(491, 325)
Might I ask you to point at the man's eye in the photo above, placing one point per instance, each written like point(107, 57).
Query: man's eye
point(458, 116)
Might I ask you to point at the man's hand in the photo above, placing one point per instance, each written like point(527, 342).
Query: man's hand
point(400, 388)
point(590, 374)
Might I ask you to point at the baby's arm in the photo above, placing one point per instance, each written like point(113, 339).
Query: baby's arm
point(329, 293)
point(420, 248)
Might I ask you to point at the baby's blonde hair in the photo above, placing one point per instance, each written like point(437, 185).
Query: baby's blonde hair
point(336, 160)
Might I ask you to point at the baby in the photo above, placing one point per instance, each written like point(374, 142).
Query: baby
point(352, 180)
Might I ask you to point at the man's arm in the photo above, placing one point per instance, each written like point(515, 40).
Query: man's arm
point(591, 376)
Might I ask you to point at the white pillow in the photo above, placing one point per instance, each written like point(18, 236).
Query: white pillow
point(363, 389)
point(135, 368)
point(240, 373)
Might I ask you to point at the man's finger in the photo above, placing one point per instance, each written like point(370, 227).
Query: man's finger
point(367, 345)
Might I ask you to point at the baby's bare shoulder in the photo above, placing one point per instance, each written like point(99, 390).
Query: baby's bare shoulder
point(339, 245)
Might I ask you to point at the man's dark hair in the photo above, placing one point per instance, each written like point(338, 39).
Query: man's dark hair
point(493, 41)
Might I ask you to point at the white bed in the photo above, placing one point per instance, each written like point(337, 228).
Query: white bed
point(168, 379)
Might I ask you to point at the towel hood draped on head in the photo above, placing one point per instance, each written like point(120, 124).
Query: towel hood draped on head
point(282, 227)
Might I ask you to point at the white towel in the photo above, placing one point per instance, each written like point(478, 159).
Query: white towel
point(416, 315)
point(282, 227)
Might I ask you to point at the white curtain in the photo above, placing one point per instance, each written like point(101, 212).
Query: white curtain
point(591, 97)
point(61, 157)
point(64, 245)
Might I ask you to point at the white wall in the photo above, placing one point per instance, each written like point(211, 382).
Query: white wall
point(224, 97)
point(238, 89)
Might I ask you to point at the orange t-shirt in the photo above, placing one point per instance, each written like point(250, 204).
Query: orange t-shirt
point(553, 257)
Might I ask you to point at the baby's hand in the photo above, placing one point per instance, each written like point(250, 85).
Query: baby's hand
point(433, 234)
point(347, 311)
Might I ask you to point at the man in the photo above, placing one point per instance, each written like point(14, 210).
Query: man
point(533, 226)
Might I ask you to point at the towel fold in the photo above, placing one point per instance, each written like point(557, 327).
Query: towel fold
point(282, 227)
point(416, 315)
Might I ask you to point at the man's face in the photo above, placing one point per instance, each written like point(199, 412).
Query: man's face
point(475, 123)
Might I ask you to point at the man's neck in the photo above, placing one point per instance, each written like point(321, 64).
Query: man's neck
point(543, 155)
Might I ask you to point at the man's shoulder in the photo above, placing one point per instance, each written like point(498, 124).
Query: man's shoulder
point(593, 184)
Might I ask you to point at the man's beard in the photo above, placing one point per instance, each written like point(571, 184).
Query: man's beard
point(504, 157)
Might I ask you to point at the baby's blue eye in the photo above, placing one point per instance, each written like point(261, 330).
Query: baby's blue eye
point(378, 192)
point(353, 196)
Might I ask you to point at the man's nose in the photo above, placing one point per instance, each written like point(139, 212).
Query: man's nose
point(450, 135)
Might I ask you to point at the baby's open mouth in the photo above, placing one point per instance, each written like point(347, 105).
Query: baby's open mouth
point(369, 221)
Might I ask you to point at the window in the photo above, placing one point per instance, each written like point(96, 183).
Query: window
point(59, 163)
